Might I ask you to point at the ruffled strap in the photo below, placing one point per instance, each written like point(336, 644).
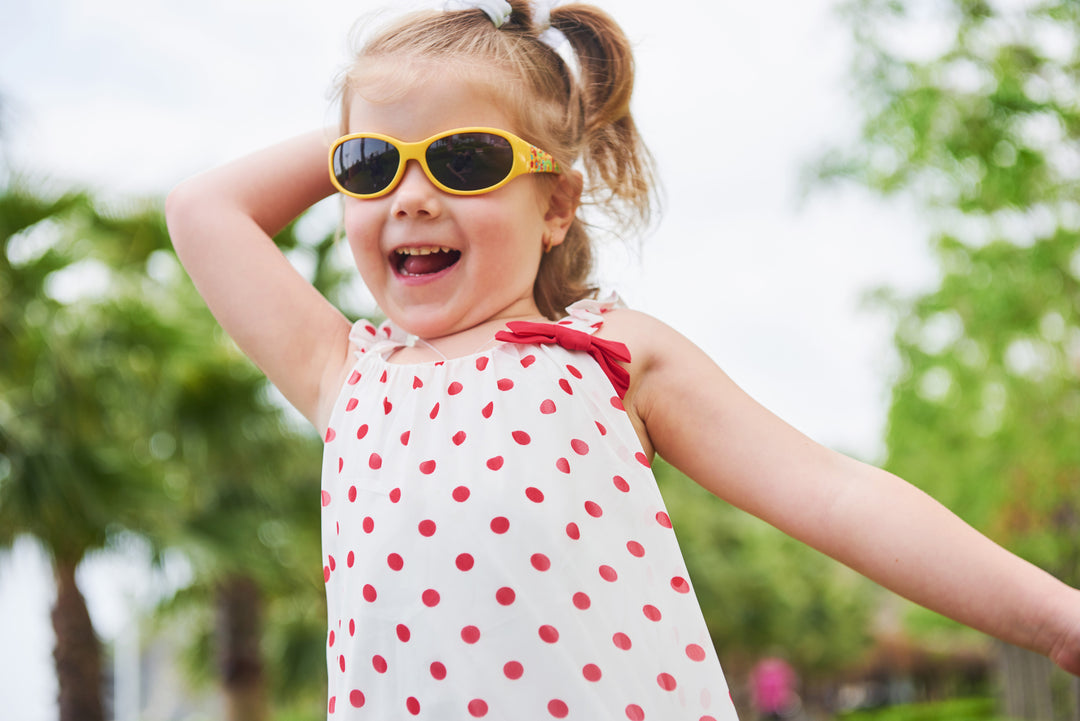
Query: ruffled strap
point(607, 353)
point(366, 338)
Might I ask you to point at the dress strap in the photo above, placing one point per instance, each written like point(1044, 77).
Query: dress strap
point(607, 353)
point(385, 339)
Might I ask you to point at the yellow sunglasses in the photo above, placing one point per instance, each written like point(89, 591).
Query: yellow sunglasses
point(463, 161)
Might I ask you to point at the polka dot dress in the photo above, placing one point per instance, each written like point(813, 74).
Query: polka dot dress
point(496, 546)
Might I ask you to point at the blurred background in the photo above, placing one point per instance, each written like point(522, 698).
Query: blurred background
point(870, 222)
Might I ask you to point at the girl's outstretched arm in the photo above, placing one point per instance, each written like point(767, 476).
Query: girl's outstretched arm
point(222, 223)
point(868, 519)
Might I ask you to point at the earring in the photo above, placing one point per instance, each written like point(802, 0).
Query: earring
point(547, 243)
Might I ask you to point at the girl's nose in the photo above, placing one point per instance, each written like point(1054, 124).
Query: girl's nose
point(415, 195)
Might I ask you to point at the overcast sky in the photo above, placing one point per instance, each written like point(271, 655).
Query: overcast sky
point(735, 99)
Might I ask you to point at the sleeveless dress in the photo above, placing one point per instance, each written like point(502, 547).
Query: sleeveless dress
point(495, 545)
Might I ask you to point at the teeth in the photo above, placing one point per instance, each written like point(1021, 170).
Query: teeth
point(423, 250)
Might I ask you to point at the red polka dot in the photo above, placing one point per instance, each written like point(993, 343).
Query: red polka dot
point(470, 634)
point(375, 461)
point(352, 494)
point(695, 652)
point(558, 708)
point(642, 459)
point(464, 562)
point(434, 412)
point(635, 548)
point(478, 708)
point(340, 464)
point(565, 385)
point(354, 378)
point(395, 562)
point(459, 438)
point(621, 484)
point(505, 596)
point(663, 519)
point(378, 663)
point(495, 463)
point(413, 705)
point(430, 598)
point(580, 447)
point(325, 498)
point(333, 563)
point(387, 406)
point(591, 672)
point(707, 718)
point(350, 559)
point(680, 584)
point(528, 361)
point(651, 612)
point(427, 467)
point(600, 427)
point(404, 438)
point(382, 379)
point(361, 432)
point(488, 410)
point(427, 528)
point(481, 363)
point(332, 704)
point(547, 407)
point(513, 670)
point(621, 641)
point(352, 626)
point(326, 574)
point(356, 698)
point(403, 632)
point(454, 388)
point(534, 494)
point(608, 573)
point(332, 639)
point(505, 384)
point(330, 434)
point(563, 465)
point(573, 371)
point(369, 524)
point(593, 509)
point(582, 600)
point(666, 681)
point(369, 593)
point(521, 438)
point(573, 531)
point(341, 662)
point(461, 494)
point(395, 495)
point(416, 382)
point(617, 403)
point(549, 634)
point(500, 524)
point(635, 712)
point(438, 671)
point(540, 562)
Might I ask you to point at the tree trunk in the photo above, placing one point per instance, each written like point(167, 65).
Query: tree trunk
point(78, 652)
point(239, 623)
point(1033, 688)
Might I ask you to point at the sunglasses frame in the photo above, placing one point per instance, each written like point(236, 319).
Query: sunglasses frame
point(527, 159)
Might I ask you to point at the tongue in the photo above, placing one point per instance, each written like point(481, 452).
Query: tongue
point(424, 264)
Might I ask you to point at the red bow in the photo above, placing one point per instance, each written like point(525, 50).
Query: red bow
point(606, 352)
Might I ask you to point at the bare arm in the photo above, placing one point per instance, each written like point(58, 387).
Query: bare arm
point(864, 517)
point(222, 223)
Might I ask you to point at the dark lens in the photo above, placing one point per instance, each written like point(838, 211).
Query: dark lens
point(470, 161)
point(365, 165)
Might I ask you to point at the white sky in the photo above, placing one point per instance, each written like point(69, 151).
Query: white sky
point(130, 96)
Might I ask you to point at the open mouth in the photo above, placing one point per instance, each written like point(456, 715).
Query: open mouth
point(424, 260)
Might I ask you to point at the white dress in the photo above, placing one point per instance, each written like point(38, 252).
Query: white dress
point(495, 545)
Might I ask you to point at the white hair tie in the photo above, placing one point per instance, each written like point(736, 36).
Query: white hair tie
point(498, 10)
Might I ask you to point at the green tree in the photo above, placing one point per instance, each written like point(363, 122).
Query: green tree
point(972, 109)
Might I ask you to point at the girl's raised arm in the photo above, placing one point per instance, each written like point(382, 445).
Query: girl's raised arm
point(222, 223)
point(862, 516)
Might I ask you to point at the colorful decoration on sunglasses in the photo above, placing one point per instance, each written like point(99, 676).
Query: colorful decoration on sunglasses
point(498, 10)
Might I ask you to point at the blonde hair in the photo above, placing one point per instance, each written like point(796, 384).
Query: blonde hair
point(583, 119)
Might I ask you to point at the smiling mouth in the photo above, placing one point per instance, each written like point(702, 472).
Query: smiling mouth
point(424, 260)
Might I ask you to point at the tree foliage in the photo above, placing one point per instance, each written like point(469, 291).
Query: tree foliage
point(973, 109)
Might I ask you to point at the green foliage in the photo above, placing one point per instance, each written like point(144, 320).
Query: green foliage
point(762, 592)
point(961, 709)
point(982, 127)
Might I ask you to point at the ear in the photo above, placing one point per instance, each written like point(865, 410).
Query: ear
point(562, 204)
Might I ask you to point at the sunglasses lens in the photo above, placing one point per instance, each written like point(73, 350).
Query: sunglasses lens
point(365, 165)
point(470, 161)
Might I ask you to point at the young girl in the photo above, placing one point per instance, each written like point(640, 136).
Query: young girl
point(494, 542)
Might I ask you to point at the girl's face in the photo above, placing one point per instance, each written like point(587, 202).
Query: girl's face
point(438, 264)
